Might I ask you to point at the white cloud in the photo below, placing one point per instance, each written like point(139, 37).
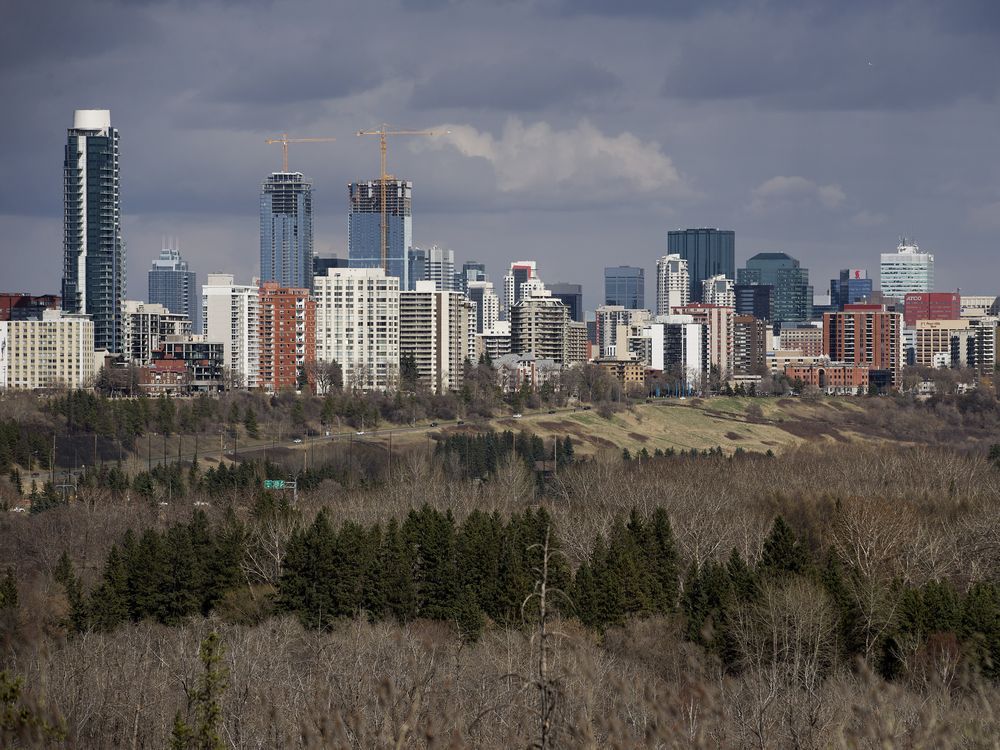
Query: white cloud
point(535, 156)
point(783, 191)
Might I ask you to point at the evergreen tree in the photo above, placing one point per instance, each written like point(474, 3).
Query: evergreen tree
point(250, 423)
point(8, 591)
point(298, 413)
point(432, 535)
point(396, 563)
point(782, 553)
point(204, 703)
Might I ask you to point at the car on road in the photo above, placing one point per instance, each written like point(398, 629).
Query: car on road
point(552, 411)
point(297, 441)
point(360, 432)
point(516, 416)
point(461, 421)
point(434, 424)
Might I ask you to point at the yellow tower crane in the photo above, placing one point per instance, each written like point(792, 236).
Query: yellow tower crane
point(384, 177)
point(284, 140)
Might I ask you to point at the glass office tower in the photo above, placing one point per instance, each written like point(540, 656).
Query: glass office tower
point(709, 252)
point(174, 286)
point(625, 286)
point(364, 226)
point(792, 297)
point(93, 278)
point(286, 230)
point(570, 295)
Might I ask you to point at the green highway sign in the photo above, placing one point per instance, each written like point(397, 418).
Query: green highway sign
point(274, 484)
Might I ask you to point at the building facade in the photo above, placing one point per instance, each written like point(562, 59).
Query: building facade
point(204, 361)
point(286, 230)
point(23, 306)
point(364, 230)
point(749, 345)
point(570, 295)
point(487, 304)
point(792, 297)
point(172, 284)
point(673, 283)
point(850, 287)
point(709, 252)
point(436, 328)
point(608, 319)
point(287, 318)
point(625, 286)
point(807, 339)
point(56, 351)
point(906, 270)
point(719, 325)
point(718, 290)
point(538, 326)
point(754, 299)
point(865, 335)
point(93, 279)
point(931, 306)
point(230, 313)
point(521, 277)
point(145, 326)
point(357, 326)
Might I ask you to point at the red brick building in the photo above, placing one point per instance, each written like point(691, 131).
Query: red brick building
point(287, 319)
point(833, 377)
point(22, 306)
point(865, 335)
point(931, 306)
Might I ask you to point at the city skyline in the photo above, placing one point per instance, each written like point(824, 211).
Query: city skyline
point(829, 166)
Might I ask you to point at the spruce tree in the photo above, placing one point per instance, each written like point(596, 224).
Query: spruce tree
point(783, 553)
point(396, 565)
point(8, 591)
point(250, 423)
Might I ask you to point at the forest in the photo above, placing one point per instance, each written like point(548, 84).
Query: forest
point(494, 590)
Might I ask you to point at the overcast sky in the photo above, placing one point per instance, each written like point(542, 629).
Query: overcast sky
point(582, 130)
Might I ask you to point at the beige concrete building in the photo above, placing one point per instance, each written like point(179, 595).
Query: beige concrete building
point(54, 352)
point(437, 329)
point(357, 325)
point(538, 325)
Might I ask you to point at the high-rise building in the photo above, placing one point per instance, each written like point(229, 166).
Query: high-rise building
point(494, 342)
point(609, 319)
point(323, 263)
point(852, 286)
point(754, 299)
point(673, 283)
point(865, 335)
point(749, 345)
point(287, 336)
point(357, 326)
point(144, 327)
point(538, 326)
point(55, 351)
point(24, 306)
point(174, 286)
point(522, 276)
point(709, 252)
point(416, 262)
point(93, 280)
point(570, 295)
point(793, 296)
point(472, 270)
point(719, 324)
point(436, 329)
point(718, 290)
point(440, 268)
point(906, 270)
point(625, 286)
point(286, 230)
point(931, 306)
point(957, 343)
point(672, 343)
point(229, 312)
point(487, 304)
point(364, 228)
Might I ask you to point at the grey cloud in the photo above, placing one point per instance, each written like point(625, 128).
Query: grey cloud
point(523, 84)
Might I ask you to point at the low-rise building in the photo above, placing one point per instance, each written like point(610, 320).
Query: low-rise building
point(833, 378)
point(630, 373)
point(515, 371)
point(145, 325)
point(203, 360)
point(56, 351)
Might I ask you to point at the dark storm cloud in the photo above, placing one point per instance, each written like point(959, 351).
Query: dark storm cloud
point(571, 113)
point(520, 85)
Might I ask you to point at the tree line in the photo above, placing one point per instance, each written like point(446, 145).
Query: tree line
point(483, 569)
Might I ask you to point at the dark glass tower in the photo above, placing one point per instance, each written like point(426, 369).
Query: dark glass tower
point(286, 230)
point(364, 226)
point(709, 252)
point(174, 286)
point(93, 280)
point(852, 286)
point(571, 295)
point(793, 296)
point(625, 286)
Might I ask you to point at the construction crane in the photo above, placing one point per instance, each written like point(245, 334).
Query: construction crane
point(284, 140)
point(384, 177)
